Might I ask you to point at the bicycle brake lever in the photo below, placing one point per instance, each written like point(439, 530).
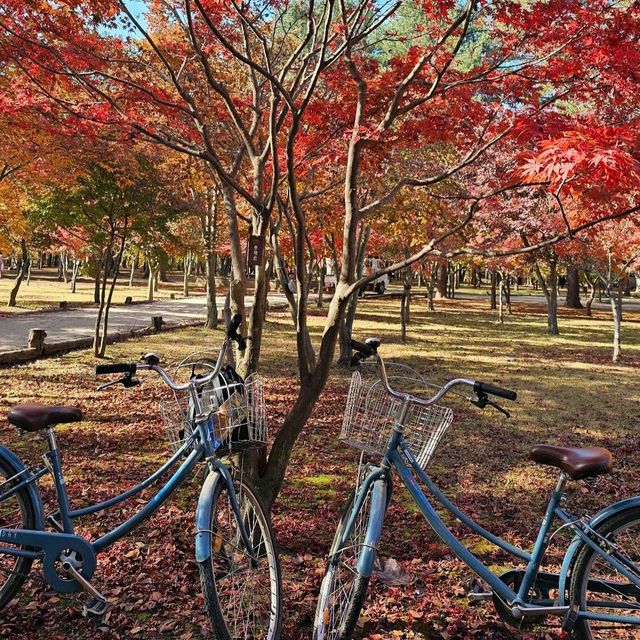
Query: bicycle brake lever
point(126, 381)
point(106, 385)
point(482, 401)
point(495, 405)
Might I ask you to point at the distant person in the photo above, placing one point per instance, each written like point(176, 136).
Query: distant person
point(1, 265)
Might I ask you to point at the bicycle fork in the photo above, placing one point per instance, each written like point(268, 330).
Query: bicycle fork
point(375, 483)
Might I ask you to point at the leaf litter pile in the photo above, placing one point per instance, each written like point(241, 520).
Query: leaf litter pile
point(569, 395)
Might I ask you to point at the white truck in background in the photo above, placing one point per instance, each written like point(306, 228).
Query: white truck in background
point(371, 265)
point(381, 283)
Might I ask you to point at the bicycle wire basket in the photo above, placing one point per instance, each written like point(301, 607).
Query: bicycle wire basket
point(371, 413)
point(237, 408)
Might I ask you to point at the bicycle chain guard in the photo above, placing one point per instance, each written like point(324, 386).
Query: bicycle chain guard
point(55, 545)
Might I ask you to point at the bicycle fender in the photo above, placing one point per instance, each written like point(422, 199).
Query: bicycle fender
point(12, 460)
point(374, 529)
point(203, 515)
point(573, 549)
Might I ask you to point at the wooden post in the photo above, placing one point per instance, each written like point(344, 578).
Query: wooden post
point(36, 340)
point(157, 322)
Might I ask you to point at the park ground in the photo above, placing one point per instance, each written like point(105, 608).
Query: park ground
point(45, 291)
point(569, 393)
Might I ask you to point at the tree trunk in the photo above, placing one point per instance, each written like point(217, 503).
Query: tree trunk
point(431, 287)
point(591, 283)
point(74, 274)
point(405, 310)
point(615, 296)
point(500, 298)
point(132, 273)
point(162, 268)
point(271, 479)
point(96, 280)
point(188, 263)
point(151, 281)
point(322, 270)
point(494, 305)
point(346, 326)
point(573, 288)
point(103, 288)
point(107, 304)
point(474, 277)
point(22, 272)
point(212, 304)
point(237, 283)
point(442, 279)
point(552, 319)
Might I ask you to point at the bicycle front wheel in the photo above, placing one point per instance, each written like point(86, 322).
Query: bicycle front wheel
point(16, 512)
point(243, 596)
point(344, 588)
point(598, 588)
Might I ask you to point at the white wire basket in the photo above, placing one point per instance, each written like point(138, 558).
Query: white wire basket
point(238, 414)
point(371, 414)
point(175, 416)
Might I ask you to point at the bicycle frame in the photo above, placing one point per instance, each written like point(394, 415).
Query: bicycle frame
point(52, 544)
point(521, 605)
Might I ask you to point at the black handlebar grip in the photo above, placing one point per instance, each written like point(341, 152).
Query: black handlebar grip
point(485, 387)
point(120, 367)
point(235, 323)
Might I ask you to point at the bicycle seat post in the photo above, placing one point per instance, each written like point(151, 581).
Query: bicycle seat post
point(55, 466)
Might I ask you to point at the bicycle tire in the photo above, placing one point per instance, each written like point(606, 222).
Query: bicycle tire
point(259, 620)
point(338, 622)
point(586, 560)
point(18, 568)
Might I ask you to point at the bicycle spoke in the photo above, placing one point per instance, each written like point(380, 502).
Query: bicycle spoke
point(608, 592)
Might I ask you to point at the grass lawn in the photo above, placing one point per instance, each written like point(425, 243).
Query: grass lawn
point(569, 393)
point(45, 291)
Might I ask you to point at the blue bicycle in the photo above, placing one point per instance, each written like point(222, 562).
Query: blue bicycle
point(234, 542)
point(596, 594)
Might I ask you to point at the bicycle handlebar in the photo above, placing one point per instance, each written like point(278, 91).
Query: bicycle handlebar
point(369, 348)
point(486, 388)
point(151, 363)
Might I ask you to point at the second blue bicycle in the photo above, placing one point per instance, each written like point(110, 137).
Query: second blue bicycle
point(596, 594)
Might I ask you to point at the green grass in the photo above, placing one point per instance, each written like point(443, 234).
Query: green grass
point(45, 292)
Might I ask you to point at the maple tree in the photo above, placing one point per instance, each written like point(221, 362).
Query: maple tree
point(266, 92)
point(106, 206)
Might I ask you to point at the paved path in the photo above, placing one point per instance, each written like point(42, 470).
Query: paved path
point(79, 323)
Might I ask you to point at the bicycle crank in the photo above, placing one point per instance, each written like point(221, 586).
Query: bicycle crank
point(97, 604)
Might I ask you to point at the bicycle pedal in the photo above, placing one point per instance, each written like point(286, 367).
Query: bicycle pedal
point(95, 607)
point(479, 596)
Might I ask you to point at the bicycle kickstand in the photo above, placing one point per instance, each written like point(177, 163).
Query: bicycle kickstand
point(96, 605)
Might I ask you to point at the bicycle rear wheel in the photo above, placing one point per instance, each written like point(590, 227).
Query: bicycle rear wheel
point(344, 588)
point(16, 512)
point(596, 587)
point(243, 598)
